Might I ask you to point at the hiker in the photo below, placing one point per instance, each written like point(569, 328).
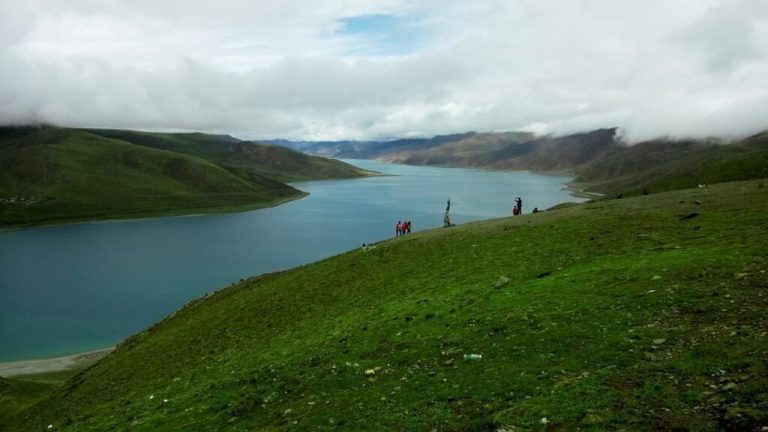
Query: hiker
point(408, 227)
point(518, 210)
point(398, 229)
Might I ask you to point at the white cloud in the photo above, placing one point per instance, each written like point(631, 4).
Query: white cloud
point(294, 68)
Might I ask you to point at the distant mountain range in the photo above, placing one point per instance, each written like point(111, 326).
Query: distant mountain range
point(599, 160)
point(50, 174)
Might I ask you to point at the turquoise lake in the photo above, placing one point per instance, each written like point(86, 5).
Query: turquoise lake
point(74, 288)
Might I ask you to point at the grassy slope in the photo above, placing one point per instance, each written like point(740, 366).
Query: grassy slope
point(600, 163)
point(68, 174)
point(73, 175)
point(662, 166)
point(244, 158)
point(15, 395)
point(637, 314)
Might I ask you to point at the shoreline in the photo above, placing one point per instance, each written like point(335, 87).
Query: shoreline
point(194, 212)
point(70, 362)
point(34, 366)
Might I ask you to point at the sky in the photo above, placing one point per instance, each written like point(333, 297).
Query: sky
point(371, 70)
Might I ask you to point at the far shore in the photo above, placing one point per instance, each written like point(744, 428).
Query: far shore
point(176, 213)
point(55, 364)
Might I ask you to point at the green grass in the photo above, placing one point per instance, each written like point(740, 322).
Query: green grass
point(659, 166)
point(16, 395)
point(51, 175)
point(244, 158)
point(637, 314)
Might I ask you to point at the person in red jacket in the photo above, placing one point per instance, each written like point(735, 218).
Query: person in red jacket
point(398, 229)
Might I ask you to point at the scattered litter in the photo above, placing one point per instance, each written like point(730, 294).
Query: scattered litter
point(544, 420)
point(470, 357)
point(151, 397)
point(370, 372)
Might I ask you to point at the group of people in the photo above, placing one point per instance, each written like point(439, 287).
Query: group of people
point(402, 228)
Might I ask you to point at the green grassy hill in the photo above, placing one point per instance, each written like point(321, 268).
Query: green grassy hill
point(15, 395)
point(56, 175)
point(646, 313)
point(244, 158)
point(663, 165)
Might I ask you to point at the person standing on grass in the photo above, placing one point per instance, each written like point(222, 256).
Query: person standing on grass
point(398, 229)
point(518, 207)
point(408, 227)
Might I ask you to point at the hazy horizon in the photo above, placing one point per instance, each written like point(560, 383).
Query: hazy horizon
point(377, 70)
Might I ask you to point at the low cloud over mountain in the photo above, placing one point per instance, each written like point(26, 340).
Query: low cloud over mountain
point(378, 69)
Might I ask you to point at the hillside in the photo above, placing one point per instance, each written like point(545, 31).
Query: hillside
point(371, 149)
point(645, 313)
point(15, 395)
point(662, 165)
point(494, 150)
point(599, 161)
point(56, 175)
point(243, 158)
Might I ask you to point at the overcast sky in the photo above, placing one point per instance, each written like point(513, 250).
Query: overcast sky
point(318, 69)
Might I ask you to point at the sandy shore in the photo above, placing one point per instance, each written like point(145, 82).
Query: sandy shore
point(56, 364)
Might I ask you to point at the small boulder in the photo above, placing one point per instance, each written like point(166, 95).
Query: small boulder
point(503, 281)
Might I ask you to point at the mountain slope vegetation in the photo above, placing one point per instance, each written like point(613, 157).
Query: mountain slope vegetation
point(56, 175)
point(645, 313)
point(662, 165)
point(599, 160)
point(243, 158)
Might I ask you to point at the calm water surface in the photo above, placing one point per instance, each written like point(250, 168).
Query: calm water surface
point(74, 288)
